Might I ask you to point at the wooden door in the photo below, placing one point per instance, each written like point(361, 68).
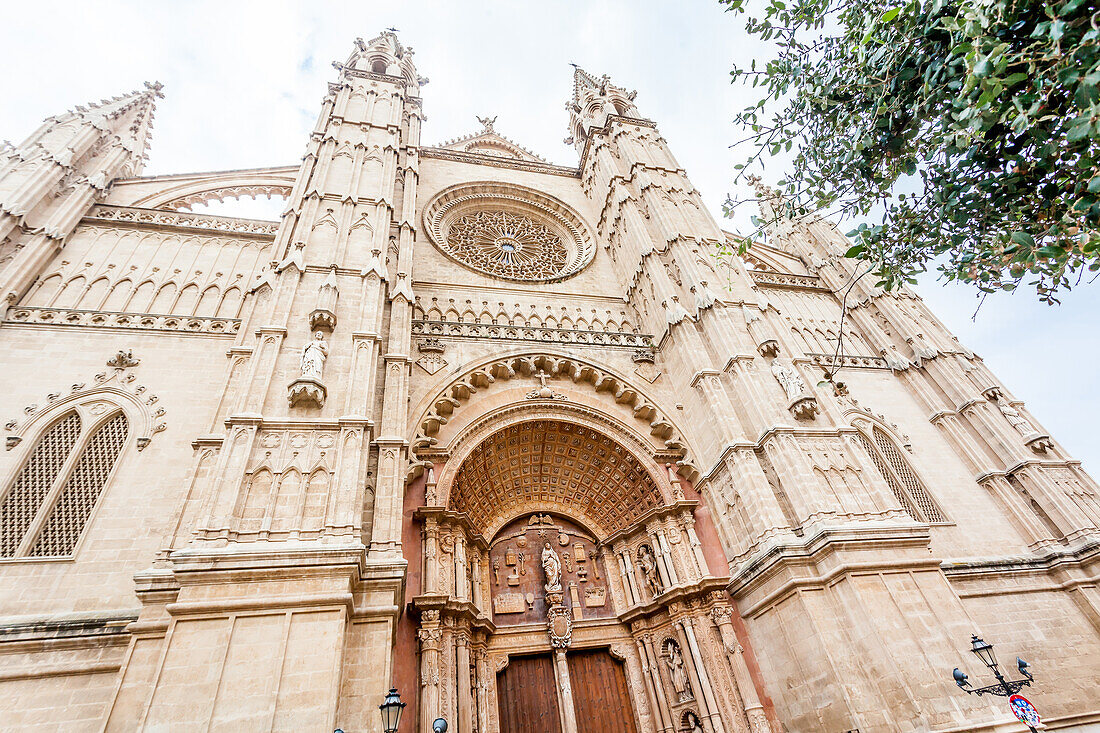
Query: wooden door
point(600, 694)
point(527, 696)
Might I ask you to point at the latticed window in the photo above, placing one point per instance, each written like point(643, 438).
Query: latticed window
point(43, 512)
point(903, 482)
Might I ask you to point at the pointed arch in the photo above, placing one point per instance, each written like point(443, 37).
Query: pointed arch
point(93, 298)
point(70, 294)
point(164, 299)
point(208, 302)
point(46, 291)
point(230, 305)
point(116, 299)
point(186, 301)
point(898, 474)
point(81, 492)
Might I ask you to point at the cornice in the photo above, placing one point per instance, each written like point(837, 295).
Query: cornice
point(492, 160)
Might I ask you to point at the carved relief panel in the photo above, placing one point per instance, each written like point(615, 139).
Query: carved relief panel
point(516, 575)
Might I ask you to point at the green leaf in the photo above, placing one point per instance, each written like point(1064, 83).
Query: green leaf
point(890, 14)
point(1023, 238)
point(854, 251)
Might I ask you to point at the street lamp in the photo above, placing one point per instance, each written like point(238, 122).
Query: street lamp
point(983, 650)
point(391, 709)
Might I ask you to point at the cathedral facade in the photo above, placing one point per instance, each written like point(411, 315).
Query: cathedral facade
point(507, 436)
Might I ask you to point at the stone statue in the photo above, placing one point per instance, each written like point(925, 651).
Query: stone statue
point(314, 354)
point(1017, 420)
point(551, 565)
point(649, 570)
point(676, 666)
point(789, 379)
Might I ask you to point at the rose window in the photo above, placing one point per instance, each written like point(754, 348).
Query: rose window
point(509, 232)
point(508, 245)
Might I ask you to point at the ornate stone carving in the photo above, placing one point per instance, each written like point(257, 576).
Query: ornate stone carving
point(431, 355)
point(648, 564)
point(509, 231)
point(801, 404)
point(131, 321)
point(324, 315)
point(123, 360)
point(544, 392)
point(551, 567)
point(508, 245)
point(1038, 442)
point(674, 658)
point(308, 389)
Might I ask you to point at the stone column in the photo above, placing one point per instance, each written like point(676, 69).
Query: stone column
point(465, 685)
point(654, 688)
point(696, 546)
point(633, 596)
point(475, 577)
point(431, 556)
point(568, 712)
point(664, 557)
point(750, 701)
point(698, 675)
point(430, 641)
point(462, 583)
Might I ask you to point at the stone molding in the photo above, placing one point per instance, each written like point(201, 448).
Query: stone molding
point(788, 280)
point(573, 337)
point(497, 162)
point(198, 325)
point(182, 221)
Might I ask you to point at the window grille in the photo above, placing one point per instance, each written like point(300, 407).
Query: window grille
point(903, 482)
point(82, 490)
point(24, 500)
point(48, 504)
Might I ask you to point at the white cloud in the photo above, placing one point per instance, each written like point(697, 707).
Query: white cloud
point(243, 83)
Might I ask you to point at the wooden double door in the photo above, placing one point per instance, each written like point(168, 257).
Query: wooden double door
point(527, 694)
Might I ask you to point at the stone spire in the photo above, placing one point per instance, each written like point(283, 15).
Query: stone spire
point(594, 100)
point(49, 181)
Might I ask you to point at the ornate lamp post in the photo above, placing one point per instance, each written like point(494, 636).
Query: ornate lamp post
point(391, 709)
point(983, 650)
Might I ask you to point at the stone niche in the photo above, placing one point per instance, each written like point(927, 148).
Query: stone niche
point(516, 577)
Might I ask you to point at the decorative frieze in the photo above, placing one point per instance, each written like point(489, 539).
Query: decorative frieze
point(160, 219)
point(40, 316)
point(453, 329)
point(787, 280)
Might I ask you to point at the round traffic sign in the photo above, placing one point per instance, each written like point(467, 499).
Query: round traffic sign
point(1024, 711)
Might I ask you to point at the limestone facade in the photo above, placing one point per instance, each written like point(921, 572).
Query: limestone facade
point(462, 409)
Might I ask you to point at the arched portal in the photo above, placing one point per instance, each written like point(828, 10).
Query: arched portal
point(559, 546)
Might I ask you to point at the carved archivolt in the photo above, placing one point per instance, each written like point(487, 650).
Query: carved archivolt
point(455, 395)
point(558, 466)
point(116, 386)
point(509, 231)
point(215, 187)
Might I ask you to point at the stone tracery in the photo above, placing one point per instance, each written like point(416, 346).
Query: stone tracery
point(506, 244)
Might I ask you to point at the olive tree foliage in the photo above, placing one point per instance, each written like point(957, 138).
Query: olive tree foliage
point(966, 131)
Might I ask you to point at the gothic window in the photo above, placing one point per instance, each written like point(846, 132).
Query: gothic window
point(509, 245)
point(45, 508)
point(901, 478)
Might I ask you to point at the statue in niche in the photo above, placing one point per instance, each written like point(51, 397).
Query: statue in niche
point(314, 355)
point(680, 679)
point(648, 563)
point(694, 725)
point(789, 380)
point(1017, 420)
point(551, 565)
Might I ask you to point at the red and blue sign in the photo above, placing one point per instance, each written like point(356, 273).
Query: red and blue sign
point(1024, 711)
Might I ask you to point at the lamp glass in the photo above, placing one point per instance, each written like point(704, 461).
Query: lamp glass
point(391, 711)
point(984, 651)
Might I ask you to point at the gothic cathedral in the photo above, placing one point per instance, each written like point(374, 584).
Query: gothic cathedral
point(507, 436)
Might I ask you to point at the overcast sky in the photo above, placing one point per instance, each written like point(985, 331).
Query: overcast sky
point(244, 80)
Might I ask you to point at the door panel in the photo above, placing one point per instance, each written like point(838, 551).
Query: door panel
point(527, 696)
point(600, 694)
